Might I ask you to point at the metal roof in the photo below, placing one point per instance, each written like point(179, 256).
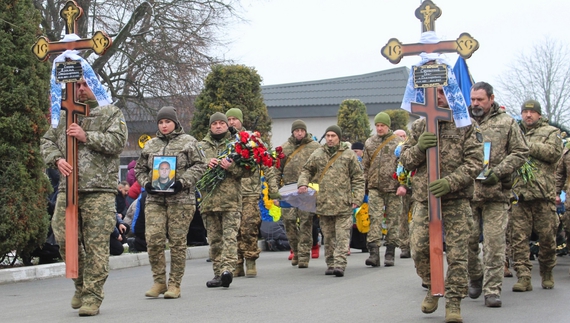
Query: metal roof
point(378, 91)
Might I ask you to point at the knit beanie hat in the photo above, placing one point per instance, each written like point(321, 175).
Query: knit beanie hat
point(336, 129)
point(218, 116)
point(531, 105)
point(169, 113)
point(383, 118)
point(298, 124)
point(357, 145)
point(236, 113)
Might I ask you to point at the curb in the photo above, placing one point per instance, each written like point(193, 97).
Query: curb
point(126, 260)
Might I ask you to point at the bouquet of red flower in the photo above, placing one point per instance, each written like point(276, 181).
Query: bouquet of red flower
point(248, 151)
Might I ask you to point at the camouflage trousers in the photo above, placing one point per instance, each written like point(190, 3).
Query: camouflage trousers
point(300, 236)
point(509, 235)
point(380, 203)
point(336, 230)
point(456, 215)
point(404, 230)
point(222, 229)
point(249, 229)
point(96, 218)
point(167, 221)
point(493, 217)
point(538, 216)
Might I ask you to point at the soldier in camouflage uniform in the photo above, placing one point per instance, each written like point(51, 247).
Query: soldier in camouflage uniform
point(536, 209)
point(297, 150)
point(490, 203)
point(380, 163)
point(250, 214)
point(404, 230)
point(461, 160)
point(341, 190)
point(221, 210)
point(562, 172)
point(169, 214)
point(101, 138)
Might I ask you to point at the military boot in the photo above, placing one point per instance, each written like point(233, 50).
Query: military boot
point(89, 310)
point(156, 290)
point(294, 260)
point(227, 278)
point(506, 271)
point(76, 300)
point(389, 256)
point(429, 304)
point(251, 271)
point(547, 280)
point(475, 288)
point(173, 292)
point(453, 311)
point(405, 254)
point(215, 282)
point(239, 272)
point(374, 259)
point(522, 285)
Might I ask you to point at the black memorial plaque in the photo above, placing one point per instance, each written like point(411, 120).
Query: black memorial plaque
point(68, 72)
point(430, 75)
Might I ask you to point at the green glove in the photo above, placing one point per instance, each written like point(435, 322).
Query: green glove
point(439, 187)
point(491, 178)
point(427, 140)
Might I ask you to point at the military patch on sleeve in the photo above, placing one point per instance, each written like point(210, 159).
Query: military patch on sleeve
point(478, 134)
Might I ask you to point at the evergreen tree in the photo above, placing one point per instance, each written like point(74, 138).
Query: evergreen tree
point(232, 86)
point(24, 86)
point(399, 119)
point(353, 120)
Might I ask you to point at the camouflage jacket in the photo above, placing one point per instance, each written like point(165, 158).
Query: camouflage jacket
point(227, 195)
point(341, 186)
point(509, 152)
point(460, 159)
point(190, 164)
point(545, 146)
point(562, 173)
point(98, 157)
point(379, 173)
point(291, 167)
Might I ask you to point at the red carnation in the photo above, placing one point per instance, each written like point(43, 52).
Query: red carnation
point(395, 176)
point(245, 153)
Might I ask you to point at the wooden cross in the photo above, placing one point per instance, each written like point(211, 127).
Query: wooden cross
point(465, 45)
point(42, 49)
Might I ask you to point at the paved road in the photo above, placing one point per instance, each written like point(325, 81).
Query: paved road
point(281, 293)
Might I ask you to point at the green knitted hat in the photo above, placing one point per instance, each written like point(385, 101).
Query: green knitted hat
point(236, 113)
point(383, 118)
point(531, 105)
point(298, 124)
point(167, 113)
point(336, 129)
point(218, 116)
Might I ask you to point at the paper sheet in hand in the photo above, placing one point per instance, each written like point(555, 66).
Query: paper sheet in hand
point(304, 202)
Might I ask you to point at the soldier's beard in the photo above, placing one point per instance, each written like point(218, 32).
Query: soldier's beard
point(477, 111)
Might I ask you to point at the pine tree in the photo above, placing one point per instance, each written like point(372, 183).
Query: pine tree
point(399, 119)
point(232, 86)
point(353, 120)
point(24, 86)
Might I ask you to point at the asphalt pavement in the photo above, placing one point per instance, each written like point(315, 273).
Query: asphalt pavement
point(280, 293)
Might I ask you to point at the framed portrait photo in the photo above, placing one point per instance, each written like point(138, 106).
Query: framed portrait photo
point(163, 173)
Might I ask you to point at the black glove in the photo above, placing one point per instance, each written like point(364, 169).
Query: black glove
point(148, 188)
point(177, 187)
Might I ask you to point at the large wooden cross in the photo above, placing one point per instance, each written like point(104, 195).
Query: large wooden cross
point(465, 45)
point(99, 43)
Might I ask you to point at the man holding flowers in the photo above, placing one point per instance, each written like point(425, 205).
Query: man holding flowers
point(221, 203)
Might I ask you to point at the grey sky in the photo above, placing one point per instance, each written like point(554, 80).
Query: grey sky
point(304, 40)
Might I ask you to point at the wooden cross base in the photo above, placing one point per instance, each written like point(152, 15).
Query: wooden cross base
point(433, 114)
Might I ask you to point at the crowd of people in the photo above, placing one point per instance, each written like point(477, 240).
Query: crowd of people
point(480, 177)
